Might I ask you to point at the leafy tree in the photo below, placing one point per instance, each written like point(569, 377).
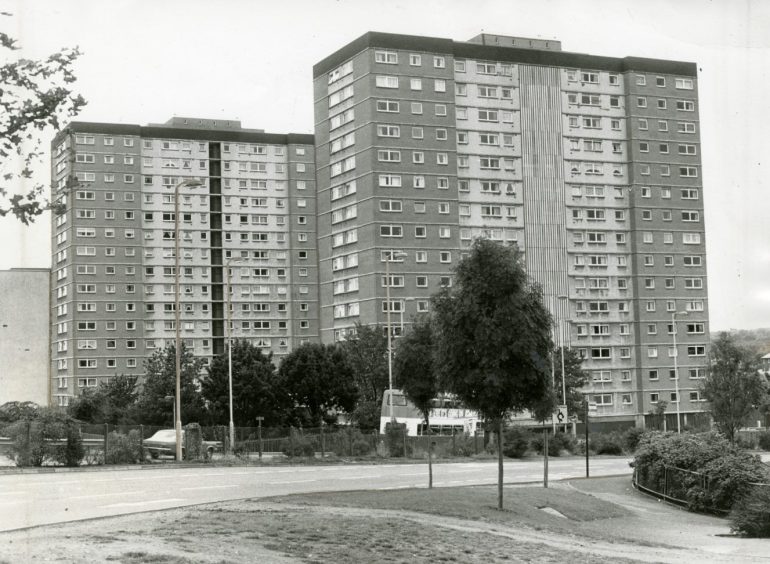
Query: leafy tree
point(414, 372)
point(733, 385)
point(256, 388)
point(34, 438)
point(367, 352)
point(318, 378)
point(113, 402)
point(152, 408)
point(13, 411)
point(576, 379)
point(493, 337)
point(34, 95)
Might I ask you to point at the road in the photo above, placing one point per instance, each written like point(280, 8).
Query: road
point(28, 500)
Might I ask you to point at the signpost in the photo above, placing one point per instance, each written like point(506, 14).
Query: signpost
point(590, 408)
point(558, 417)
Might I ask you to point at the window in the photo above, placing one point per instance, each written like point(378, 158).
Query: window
point(439, 62)
point(696, 350)
point(685, 127)
point(385, 81)
point(641, 102)
point(390, 106)
point(439, 85)
point(386, 57)
point(415, 60)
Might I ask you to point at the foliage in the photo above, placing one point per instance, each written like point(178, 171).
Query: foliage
point(607, 443)
point(493, 333)
point(256, 388)
point(631, 438)
point(35, 95)
point(152, 407)
point(750, 515)
point(124, 449)
point(493, 337)
point(298, 445)
point(394, 439)
point(733, 385)
point(48, 436)
point(319, 378)
point(13, 411)
point(516, 442)
point(413, 367)
point(109, 403)
point(764, 440)
point(557, 443)
point(367, 353)
point(725, 472)
point(576, 379)
point(349, 439)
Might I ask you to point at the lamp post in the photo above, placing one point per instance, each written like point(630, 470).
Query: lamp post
point(390, 256)
point(189, 183)
point(561, 348)
point(676, 368)
point(230, 347)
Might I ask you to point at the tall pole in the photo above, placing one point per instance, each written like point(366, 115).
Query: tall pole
point(676, 371)
point(178, 338)
point(390, 356)
point(190, 183)
point(230, 355)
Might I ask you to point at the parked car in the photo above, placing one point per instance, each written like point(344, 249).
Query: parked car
point(164, 442)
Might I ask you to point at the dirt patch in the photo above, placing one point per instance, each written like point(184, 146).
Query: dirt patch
point(397, 526)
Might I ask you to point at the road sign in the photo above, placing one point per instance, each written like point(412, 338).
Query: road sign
point(560, 416)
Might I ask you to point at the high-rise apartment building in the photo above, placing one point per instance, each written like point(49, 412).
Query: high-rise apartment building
point(250, 228)
point(590, 164)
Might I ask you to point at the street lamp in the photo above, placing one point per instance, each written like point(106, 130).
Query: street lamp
point(230, 347)
point(390, 256)
point(189, 183)
point(676, 368)
point(561, 347)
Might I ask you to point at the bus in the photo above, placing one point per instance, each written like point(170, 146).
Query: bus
point(447, 416)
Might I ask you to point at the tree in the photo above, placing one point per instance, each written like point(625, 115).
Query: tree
point(112, 402)
point(318, 378)
point(152, 407)
point(34, 95)
point(414, 372)
point(576, 379)
point(256, 388)
point(733, 385)
point(493, 337)
point(367, 353)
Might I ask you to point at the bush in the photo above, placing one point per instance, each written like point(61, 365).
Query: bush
point(39, 439)
point(751, 513)
point(631, 438)
point(606, 443)
point(342, 441)
point(124, 449)
point(394, 439)
point(516, 442)
point(724, 471)
point(298, 445)
point(764, 440)
point(555, 444)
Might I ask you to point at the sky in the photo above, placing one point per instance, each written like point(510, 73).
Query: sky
point(145, 61)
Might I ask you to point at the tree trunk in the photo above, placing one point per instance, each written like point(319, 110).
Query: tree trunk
point(500, 463)
point(430, 454)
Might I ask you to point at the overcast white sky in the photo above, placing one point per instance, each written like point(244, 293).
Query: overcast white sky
point(147, 60)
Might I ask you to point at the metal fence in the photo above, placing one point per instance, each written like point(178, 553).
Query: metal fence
point(124, 444)
point(674, 484)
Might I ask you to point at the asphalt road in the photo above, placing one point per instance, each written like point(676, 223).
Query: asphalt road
point(29, 500)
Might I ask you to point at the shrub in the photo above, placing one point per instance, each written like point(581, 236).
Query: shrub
point(394, 439)
point(555, 444)
point(516, 442)
point(724, 471)
point(751, 513)
point(37, 440)
point(764, 440)
point(298, 445)
point(348, 442)
point(606, 443)
point(631, 438)
point(124, 449)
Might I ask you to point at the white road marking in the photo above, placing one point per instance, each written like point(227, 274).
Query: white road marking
point(104, 495)
point(290, 482)
point(12, 493)
point(140, 503)
point(208, 488)
point(362, 477)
